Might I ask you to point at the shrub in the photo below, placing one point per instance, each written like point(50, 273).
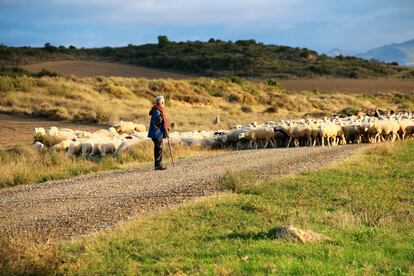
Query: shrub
point(246, 109)
point(46, 73)
point(348, 111)
point(235, 79)
point(270, 109)
point(104, 116)
point(57, 89)
point(118, 91)
point(85, 116)
point(216, 93)
point(6, 84)
point(53, 113)
point(245, 182)
point(272, 82)
point(24, 83)
point(234, 98)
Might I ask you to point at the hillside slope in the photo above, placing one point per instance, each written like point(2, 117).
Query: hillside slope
point(216, 58)
point(192, 104)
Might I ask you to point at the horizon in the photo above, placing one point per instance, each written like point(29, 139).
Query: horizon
point(317, 25)
point(204, 41)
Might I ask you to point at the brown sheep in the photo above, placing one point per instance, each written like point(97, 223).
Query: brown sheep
point(259, 135)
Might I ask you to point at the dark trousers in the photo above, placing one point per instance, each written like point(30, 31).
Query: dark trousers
point(157, 152)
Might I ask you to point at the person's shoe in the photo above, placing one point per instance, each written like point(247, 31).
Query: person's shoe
point(160, 168)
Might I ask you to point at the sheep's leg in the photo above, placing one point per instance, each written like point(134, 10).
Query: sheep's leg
point(272, 143)
point(323, 141)
point(377, 137)
point(288, 144)
point(265, 145)
point(314, 142)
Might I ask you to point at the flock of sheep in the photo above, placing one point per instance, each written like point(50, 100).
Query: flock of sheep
point(323, 132)
point(304, 132)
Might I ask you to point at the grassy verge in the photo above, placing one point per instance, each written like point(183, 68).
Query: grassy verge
point(25, 165)
point(365, 205)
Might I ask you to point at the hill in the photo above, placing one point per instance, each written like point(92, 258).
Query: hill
point(403, 53)
point(216, 58)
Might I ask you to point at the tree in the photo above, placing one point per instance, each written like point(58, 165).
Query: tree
point(49, 47)
point(163, 41)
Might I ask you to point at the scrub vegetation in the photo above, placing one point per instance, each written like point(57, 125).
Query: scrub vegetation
point(246, 58)
point(236, 100)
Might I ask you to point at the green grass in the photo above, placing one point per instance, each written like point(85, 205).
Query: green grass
point(365, 205)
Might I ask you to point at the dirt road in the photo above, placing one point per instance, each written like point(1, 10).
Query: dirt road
point(66, 208)
point(83, 68)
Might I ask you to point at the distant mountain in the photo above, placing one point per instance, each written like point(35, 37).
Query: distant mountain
point(338, 52)
point(403, 53)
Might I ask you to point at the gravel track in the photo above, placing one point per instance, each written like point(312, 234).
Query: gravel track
point(67, 208)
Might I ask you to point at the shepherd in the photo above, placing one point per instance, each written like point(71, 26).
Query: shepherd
point(158, 130)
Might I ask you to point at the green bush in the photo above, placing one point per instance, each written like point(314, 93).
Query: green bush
point(348, 111)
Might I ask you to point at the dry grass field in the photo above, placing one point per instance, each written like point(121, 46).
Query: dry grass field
point(191, 104)
point(371, 86)
point(83, 68)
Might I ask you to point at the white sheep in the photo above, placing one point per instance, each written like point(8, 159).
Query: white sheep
point(62, 146)
point(385, 128)
point(39, 131)
point(38, 146)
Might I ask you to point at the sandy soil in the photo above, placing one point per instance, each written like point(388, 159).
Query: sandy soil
point(81, 68)
point(18, 130)
point(67, 208)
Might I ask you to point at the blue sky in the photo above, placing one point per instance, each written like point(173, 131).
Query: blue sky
point(352, 25)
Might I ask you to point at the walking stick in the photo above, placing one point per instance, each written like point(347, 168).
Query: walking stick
point(169, 146)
